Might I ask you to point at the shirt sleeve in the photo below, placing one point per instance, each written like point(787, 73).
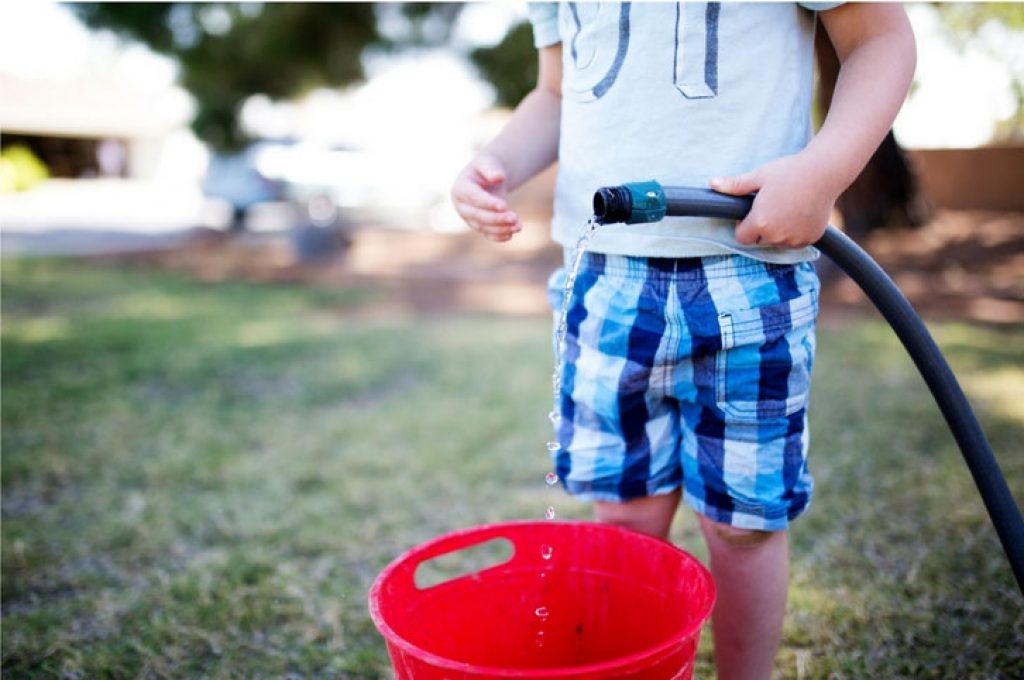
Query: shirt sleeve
point(544, 18)
point(819, 6)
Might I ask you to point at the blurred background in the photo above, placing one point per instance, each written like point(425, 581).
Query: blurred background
point(157, 126)
point(256, 141)
point(241, 319)
point(242, 117)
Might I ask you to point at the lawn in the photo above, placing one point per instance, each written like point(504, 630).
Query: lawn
point(203, 480)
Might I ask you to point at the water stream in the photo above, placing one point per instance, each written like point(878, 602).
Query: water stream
point(553, 446)
point(555, 415)
point(582, 243)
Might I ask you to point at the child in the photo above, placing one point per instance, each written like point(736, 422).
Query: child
point(690, 341)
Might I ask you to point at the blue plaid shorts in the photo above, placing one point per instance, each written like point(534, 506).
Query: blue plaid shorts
point(692, 373)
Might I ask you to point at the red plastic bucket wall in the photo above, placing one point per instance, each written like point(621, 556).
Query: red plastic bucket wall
point(606, 603)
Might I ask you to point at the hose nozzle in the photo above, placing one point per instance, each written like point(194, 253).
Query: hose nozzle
point(632, 203)
point(640, 202)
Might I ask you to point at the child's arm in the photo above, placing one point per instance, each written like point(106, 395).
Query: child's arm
point(526, 145)
point(876, 50)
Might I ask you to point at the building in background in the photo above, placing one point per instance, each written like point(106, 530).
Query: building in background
point(89, 127)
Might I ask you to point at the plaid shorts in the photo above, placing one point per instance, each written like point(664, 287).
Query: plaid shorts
point(692, 373)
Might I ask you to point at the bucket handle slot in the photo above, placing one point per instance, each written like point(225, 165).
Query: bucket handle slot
point(523, 546)
point(462, 562)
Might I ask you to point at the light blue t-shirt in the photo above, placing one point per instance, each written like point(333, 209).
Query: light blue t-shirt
point(679, 93)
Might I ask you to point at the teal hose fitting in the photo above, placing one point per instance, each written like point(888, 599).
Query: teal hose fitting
point(634, 203)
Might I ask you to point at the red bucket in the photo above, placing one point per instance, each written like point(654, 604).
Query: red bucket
point(574, 600)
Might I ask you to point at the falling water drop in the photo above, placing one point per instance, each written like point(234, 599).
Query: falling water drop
point(555, 417)
point(554, 446)
point(550, 512)
point(542, 613)
point(551, 479)
point(546, 551)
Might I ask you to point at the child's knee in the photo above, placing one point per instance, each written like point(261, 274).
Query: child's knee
point(651, 515)
point(735, 537)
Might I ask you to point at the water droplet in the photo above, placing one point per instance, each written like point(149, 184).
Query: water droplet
point(550, 512)
point(555, 417)
point(546, 551)
point(540, 638)
point(551, 479)
point(542, 613)
point(554, 446)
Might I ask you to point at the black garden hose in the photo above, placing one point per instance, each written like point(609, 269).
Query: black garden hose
point(650, 202)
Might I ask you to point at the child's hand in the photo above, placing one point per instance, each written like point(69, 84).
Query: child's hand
point(479, 197)
point(793, 204)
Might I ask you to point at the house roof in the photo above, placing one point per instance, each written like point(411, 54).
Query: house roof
point(90, 107)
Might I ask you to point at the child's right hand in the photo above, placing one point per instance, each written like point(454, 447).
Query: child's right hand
point(478, 195)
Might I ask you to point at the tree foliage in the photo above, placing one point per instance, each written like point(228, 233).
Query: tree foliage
point(964, 19)
point(968, 24)
point(511, 66)
point(228, 52)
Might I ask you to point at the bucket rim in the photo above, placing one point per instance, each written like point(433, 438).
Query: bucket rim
point(656, 652)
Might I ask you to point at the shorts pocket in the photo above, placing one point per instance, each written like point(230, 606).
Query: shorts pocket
point(763, 370)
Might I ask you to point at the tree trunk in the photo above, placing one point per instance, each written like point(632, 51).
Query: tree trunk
point(886, 193)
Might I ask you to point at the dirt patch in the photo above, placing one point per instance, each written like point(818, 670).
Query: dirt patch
point(966, 265)
point(421, 271)
point(963, 265)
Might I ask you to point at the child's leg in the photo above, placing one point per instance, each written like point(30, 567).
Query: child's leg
point(651, 515)
point(751, 572)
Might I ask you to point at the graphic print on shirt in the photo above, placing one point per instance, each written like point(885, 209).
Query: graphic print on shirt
point(695, 71)
point(595, 68)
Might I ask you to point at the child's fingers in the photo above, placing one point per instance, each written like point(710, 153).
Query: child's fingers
point(502, 229)
point(484, 216)
point(500, 236)
point(490, 170)
point(481, 219)
point(739, 185)
point(751, 231)
point(478, 196)
point(472, 194)
point(493, 230)
point(499, 233)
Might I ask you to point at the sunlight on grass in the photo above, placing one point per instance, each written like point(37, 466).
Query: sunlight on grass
point(154, 305)
point(1002, 391)
point(265, 333)
point(41, 329)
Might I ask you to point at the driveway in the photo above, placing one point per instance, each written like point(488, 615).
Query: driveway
point(100, 216)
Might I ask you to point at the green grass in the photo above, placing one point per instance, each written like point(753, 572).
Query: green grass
point(203, 481)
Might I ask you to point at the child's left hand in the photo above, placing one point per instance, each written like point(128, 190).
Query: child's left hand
point(793, 203)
